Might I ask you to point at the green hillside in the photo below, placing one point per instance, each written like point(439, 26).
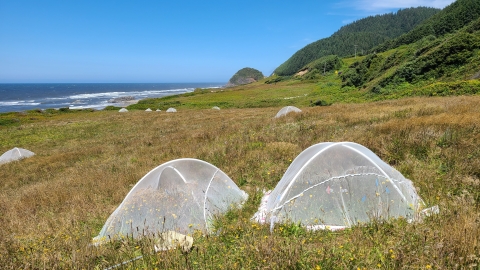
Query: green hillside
point(449, 60)
point(365, 34)
point(451, 18)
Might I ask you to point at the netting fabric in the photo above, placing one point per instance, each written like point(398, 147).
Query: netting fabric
point(15, 154)
point(340, 185)
point(286, 110)
point(182, 195)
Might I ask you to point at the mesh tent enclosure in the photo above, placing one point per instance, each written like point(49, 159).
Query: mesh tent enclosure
point(286, 110)
point(123, 110)
point(337, 185)
point(15, 154)
point(171, 110)
point(182, 195)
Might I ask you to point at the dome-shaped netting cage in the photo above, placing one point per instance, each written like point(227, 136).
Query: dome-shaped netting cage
point(182, 195)
point(15, 154)
point(286, 110)
point(337, 185)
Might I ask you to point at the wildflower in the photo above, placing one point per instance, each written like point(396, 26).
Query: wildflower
point(428, 266)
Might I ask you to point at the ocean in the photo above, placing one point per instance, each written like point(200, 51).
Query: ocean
point(28, 96)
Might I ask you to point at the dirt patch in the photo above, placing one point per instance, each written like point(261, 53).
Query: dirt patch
point(301, 73)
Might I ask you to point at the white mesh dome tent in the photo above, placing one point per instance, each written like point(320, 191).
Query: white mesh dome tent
point(182, 195)
point(286, 110)
point(337, 185)
point(171, 110)
point(15, 154)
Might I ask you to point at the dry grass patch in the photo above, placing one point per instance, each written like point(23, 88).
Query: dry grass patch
point(52, 204)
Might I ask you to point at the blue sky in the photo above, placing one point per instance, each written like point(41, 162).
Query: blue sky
point(166, 41)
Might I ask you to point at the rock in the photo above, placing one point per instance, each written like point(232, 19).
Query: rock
point(171, 240)
point(121, 99)
point(245, 76)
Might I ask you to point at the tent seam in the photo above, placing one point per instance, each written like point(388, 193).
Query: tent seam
point(329, 179)
point(301, 169)
point(205, 200)
point(378, 167)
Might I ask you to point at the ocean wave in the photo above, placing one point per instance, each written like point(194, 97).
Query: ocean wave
point(98, 95)
point(55, 98)
point(19, 103)
point(97, 106)
point(146, 93)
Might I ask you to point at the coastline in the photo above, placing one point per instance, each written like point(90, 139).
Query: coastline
point(76, 96)
point(126, 103)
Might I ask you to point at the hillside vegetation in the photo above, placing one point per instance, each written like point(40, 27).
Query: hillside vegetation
point(429, 61)
point(361, 35)
point(451, 18)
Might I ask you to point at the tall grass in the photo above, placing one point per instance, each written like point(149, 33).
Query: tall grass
point(51, 205)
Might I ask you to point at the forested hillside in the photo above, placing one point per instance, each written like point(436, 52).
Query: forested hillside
point(430, 62)
point(358, 36)
point(451, 18)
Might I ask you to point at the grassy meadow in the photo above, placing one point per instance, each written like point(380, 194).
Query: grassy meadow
point(51, 205)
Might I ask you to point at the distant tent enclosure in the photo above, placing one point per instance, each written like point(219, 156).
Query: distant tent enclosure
point(337, 185)
point(182, 195)
point(286, 110)
point(15, 154)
